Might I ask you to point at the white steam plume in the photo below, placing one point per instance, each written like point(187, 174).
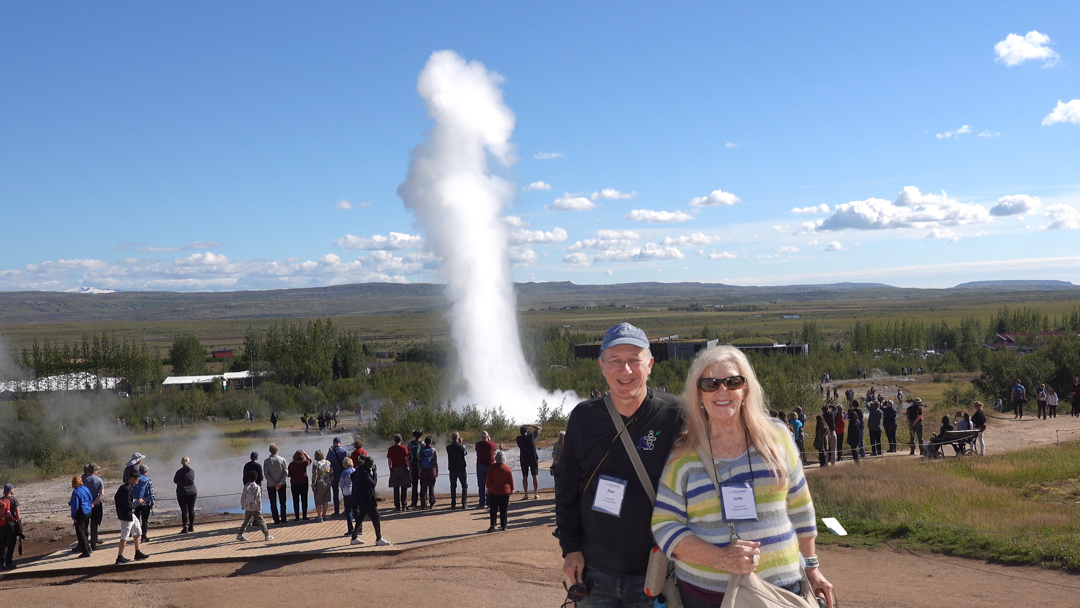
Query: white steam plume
point(460, 204)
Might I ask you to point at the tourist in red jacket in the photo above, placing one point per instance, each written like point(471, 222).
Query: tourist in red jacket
point(500, 485)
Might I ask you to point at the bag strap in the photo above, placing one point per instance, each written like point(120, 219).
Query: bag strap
point(643, 476)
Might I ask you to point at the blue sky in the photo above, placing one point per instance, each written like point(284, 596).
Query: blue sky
point(207, 147)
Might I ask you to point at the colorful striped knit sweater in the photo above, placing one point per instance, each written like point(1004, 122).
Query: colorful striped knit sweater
point(686, 503)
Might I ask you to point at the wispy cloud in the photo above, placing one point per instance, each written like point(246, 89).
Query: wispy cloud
point(1033, 46)
point(942, 233)
point(378, 242)
point(547, 155)
point(834, 246)
point(647, 252)
point(570, 202)
point(611, 194)
point(722, 255)
point(1062, 217)
point(647, 215)
point(715, 198)
point(697, 238)
point(989, 134)
point(964, 130)
point(145, 248)
point(732, 144)
point(555, 235)
point(787, 249)
point(537, 186)
point(822, 208)
point(515, 221)
point(1064, 112)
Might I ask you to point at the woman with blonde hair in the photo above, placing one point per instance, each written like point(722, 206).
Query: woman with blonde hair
point(765, 518)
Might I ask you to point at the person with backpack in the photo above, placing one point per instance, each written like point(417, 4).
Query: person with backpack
point(82, 503)
point(1018, 397)
point(345, 483)
point(336, 456)
point(797, 432)
point(364, 479)
point(455, 459)
point(9, 527)
point(1041, 397)
point(251, 502)
point(130, 527)
point(414, 464)
point(429, 471)
point(97, 489)
point(322, 477)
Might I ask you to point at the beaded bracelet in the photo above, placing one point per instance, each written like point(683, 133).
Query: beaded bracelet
point(811, 562)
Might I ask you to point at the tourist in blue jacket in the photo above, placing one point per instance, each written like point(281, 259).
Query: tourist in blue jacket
point(82, 503)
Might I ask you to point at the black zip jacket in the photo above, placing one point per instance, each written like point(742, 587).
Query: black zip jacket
point(620, 545)
point(125, 503)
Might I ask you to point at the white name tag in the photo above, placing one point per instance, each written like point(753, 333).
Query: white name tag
point(738, 502)
point(609, 495)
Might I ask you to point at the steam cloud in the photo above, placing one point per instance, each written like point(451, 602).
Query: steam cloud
point(460, 203)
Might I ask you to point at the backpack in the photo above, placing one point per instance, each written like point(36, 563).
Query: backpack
point(414, 453)
point(5, 512)
point(427, 458)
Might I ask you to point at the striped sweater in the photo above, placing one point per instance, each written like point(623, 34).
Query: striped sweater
point(686, 503)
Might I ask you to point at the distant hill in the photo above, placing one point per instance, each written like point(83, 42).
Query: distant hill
point(1018, 285)
point(381, 298)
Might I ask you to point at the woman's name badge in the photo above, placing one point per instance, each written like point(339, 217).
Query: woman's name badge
point(738, 502)
point(609, 495)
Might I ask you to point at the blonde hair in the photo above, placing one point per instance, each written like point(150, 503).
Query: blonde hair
point(754, 413)
point(185, 461)
point(347, 462)
point(273, 449)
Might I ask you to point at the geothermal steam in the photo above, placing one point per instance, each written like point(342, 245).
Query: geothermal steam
point(460, 204)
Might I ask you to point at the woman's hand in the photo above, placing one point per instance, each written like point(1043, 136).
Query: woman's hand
point(821, 586)
point(740, 557)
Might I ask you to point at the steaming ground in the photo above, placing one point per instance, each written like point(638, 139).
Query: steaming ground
point(460, 204)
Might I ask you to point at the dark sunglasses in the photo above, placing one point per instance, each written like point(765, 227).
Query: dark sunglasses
point(577, 592)
point(733, 383)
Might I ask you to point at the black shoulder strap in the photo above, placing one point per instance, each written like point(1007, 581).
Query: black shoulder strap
point(639, 467)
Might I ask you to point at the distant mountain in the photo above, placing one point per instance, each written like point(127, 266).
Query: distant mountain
point(89, 290)
point(1018, 285)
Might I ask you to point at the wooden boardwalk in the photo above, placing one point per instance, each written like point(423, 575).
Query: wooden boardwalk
point(216, 541)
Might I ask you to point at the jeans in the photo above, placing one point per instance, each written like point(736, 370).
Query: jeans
point(8, 539)
point(916, 430)
point(82, 531)
point(875, 442)
point(299, 498)
point(187, 510)
point(1041, 413)
point(497, 505)
point(427, 488)
point(481, 483)
point(415, 485)
point(831, 449)
point(890, 432)
point(839, 445)
point(280, 494)
point(95, 522)
point(371, 510)
point(143, 513)
point(349, 511)
point(455, 477)
point(614, 592)
point(335, 490)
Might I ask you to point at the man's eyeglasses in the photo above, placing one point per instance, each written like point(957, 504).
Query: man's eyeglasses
point(733, 383)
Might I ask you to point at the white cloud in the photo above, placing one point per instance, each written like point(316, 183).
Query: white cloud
point(964, 130)
point(1015, 204)
point(717, 197)
point(515, 221)
point(989, 134)
point(808, 227)
point(611, 194)
point(569, 202)
point(555, 235)
point(647, 252)
point(697, 238)
point(833, 246)
point(822, 208)
point(812, 243)
point(646, 215)
point(723, 255)
point(1064, 112)
point(537, 186)
point(731, 144)
point(344, 204)
point(577, 259)
point(1062, 217)
point(788, 249)
point(779, 227)
point(1033, 46)
point(151, 249)
point(911, 209)
point(522, 256)
point(617, 234)
point(395, 240)
point(942, 233)
point(547, 155)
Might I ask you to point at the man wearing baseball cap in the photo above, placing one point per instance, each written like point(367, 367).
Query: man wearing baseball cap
point(606, 542)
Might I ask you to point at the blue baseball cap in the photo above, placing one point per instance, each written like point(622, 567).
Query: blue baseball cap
point(624, 333)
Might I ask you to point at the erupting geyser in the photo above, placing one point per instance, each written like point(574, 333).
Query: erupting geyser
point(460, 204)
